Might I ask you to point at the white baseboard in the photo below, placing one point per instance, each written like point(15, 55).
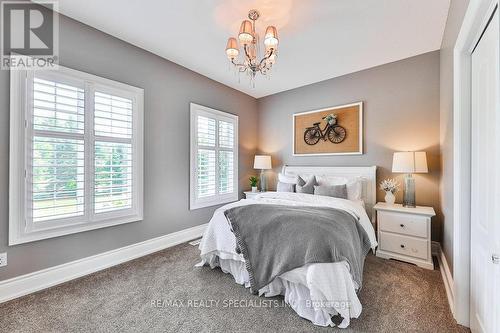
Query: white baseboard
point(445, 274)
point(32, 282)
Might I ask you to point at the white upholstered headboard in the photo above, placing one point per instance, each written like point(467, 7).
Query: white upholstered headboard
point(368, 175)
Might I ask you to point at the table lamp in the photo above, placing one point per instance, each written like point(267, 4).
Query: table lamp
point(409, 163)
point(262, 162)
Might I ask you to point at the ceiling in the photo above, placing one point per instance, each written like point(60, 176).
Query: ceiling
point(319, 39)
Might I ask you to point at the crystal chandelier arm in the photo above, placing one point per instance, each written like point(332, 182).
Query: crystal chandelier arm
point(241, 67)
point(264, 69)
point(266, 57)
point(246, 53)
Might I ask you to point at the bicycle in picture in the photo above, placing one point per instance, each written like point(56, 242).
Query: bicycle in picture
point(332, 131)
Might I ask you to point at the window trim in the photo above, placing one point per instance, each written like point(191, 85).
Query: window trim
point(20, 133)
point(194, 203)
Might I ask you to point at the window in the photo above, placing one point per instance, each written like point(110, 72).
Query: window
point(214, 157)
point(76, 153)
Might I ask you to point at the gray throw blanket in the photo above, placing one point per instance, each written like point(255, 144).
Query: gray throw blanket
point(275, 239)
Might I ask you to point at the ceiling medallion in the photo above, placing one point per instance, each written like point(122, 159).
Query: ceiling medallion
point(248, 38)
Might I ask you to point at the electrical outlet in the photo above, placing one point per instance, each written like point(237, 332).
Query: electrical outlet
point(3, 259)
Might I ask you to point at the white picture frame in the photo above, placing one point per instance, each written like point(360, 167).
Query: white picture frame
point(359, 151)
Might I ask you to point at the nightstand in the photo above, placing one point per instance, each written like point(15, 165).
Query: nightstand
point(405, 233)
point(251, 195)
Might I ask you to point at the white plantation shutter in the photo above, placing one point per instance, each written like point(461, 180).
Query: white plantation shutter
point(112, 116)
point(214, 151)
point(58, 107)
point(206, 131)
point(206, 162)
point(113, 153)
point(56, 178)
point(226, 157)
point(226, 172)
point(113, 176)
point(78, 139)
point(226, 134)
point(206, 170)
point(56, 172)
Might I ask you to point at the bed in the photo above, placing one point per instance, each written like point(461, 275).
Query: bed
point(315, 291)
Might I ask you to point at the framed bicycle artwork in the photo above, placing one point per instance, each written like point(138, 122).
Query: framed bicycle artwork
point(336, 130)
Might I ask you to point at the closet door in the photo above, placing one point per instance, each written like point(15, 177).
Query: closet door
point(485, 182)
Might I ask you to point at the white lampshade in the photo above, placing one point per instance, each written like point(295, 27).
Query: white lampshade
point(246, 32)
point(262, 162)
point(271, 37)
point(421, 162)
point(232, 48)
point(409, 162)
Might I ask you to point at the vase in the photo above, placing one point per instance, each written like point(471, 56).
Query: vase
point(390, 198)
point(254, 189)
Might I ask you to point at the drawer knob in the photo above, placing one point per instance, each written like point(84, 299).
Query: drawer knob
point(402, 225)
point(402, 246)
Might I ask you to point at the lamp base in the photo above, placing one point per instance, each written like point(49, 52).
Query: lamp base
point(263, 181)
point(409, 192)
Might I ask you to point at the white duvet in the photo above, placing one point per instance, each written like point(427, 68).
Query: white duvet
point(315, 291)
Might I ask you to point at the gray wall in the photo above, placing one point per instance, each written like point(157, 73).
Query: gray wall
point(169, 89)
point(401, 112)
point(455, 17)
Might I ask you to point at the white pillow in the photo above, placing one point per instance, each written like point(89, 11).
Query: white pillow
point(285, 187)
point(287, 179)
point(354, 189)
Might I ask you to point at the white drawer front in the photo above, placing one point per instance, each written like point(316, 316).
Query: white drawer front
point(409, 246)
point(411, 225)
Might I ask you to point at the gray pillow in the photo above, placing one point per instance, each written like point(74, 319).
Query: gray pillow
point(285, 187)
point(305, 187)
point(336, 191)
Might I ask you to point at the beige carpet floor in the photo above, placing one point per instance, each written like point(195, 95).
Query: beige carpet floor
point(396, 297)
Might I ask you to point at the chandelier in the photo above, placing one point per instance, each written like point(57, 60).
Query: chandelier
point(248, 38)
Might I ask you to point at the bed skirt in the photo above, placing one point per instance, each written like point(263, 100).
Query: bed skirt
point(308, 290)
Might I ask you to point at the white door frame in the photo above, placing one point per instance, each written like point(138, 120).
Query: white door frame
point(475, 21)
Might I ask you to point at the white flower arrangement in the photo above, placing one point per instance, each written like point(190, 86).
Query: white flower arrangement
point(389, 185)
